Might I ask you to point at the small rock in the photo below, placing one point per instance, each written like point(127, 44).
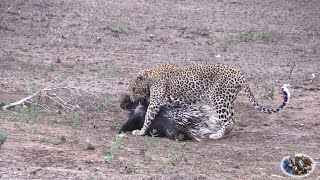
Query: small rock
point(236, 167)
point(63, 139)
point(312, 76)
point(90, 147)
point(89, 162)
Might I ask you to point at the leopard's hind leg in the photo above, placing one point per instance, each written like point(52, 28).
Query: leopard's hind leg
point(232, 118)
point(224, 106)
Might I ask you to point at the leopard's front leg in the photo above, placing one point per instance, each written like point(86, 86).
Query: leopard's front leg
point(157, 98)
point(152, 111)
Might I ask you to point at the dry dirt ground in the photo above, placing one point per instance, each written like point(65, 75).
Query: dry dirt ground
point(100, 43)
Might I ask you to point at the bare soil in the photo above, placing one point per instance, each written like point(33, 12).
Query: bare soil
point(101, 43)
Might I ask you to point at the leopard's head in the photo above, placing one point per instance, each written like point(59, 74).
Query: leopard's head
point(139, 86)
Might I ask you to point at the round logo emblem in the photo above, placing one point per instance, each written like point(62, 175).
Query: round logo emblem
point(298, 165)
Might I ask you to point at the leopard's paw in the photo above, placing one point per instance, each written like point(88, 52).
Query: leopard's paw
point(137, 132)
point(216, 136)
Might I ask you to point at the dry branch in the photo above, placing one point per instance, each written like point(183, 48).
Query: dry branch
point(63, 96)
point(21, 101)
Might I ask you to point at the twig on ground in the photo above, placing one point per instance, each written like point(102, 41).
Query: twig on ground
point(193, 163)
point(9, 10)
point(43, 107)
point(63, 95)
point(291, 70)
point(21, 101)
point(274, 175)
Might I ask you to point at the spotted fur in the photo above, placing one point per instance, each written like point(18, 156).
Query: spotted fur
point(217, 83)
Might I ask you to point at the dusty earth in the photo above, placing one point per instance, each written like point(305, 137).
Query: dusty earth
point(99, 44)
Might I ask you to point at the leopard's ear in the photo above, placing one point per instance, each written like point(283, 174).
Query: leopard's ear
point(141, 77)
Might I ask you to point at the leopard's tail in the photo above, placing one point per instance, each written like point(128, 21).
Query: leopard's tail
point(257, 106)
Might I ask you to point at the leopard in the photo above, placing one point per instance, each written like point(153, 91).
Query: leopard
point(217, 83)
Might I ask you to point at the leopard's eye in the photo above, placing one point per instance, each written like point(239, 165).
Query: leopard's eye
point(140, 78)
